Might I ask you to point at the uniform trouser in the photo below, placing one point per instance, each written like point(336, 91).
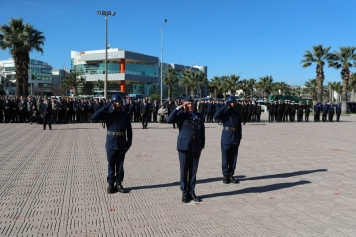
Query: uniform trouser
point(229, 158)
point(285, 117)
point(131, 116)
point(337, 117)
point(155, 117)
point(300, 116)
point(189, 162)
point(258, 116)
point(7, 114)
point(280, 116)
point(248, 118)
point(47, 119)
point(331, 117)
point(60, 115)
point(33, 119)
point(115, 166)
point(136, 117)
point(316, 116)
point(270, 117)
point(144, 120)
point(291, 117)
point(306, 117)
point(243, 117)
point(324, 116)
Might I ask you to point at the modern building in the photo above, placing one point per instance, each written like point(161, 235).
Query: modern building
point(58, 76)
point(39, 77)
point(128, 71)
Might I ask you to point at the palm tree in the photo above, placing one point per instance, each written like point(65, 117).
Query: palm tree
point(214, 84)
point(170, 77)
point(251, 84)
point(344, 59)
point(319, 56)
point(202, 81)
point(186, 79)
point(283, 87)
point(73, 79)
point(352, 86)
point(21, 39)
point(265, 85)
point(243, 85)
point(231, 83)
point(311, 87)
point(99, 84)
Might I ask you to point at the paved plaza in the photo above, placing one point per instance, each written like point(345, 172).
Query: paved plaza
point(296, 180)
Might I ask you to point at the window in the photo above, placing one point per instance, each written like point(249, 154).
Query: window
point(44, 85)
point(45, 70)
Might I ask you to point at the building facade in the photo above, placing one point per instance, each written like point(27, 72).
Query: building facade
point(39, 77)
point(128, 71)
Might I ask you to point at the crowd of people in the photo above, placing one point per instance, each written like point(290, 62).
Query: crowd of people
point(286, 111)
point(75, 110)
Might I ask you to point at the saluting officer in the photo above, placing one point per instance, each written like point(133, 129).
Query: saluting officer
point(191, 141)
point(118, 140)
point(230, 138)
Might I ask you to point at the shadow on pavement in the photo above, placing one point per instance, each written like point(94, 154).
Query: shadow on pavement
point(285, 175)
point(261, 189)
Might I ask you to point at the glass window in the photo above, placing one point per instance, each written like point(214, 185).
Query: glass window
point(45, 70)
point(44, 85)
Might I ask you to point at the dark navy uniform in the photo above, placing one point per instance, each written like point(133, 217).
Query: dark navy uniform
point(118, 141)
point(324, 109)
point(331, 111)
point(317, 112)
point(338, 112)
point(230, 138)
point(190, 142)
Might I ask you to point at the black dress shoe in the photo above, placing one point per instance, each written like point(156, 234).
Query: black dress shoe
point(233, 180)
point(120, 188)
point(194, 198)
point(226, 179)
point(110, 189)
point(186, 199)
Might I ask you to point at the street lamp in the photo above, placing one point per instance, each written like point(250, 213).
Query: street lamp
point(106, 14)
point(162, 29)
point(31, 72)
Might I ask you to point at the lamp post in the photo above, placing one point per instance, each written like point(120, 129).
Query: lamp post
point(31, 72)
point(106, 14)
point(162, 29)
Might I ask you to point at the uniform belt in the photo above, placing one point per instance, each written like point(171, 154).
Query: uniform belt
point(116, 133)
point(230, 128)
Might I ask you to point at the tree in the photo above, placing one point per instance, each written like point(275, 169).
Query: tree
point(73, 79)
point(202, 81)
point(345, 58)
point(231, 83)
point(283, 87)
point(311, 87)
point(21, 39)
point(99, 84)
point(319, 56)
point(251, 84)
point(187, 80)
point(170, 77)
point(214, 85)
point(265, 84)
point(352, 86)
point(243, 85)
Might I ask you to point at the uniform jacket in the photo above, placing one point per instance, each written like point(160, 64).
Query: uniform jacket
point(232, 129)
point(145, 108)
point(317, 108)
point(191, 136)
point(116, 121)
point(331, 109)
point(338, 109)
point(325, 108)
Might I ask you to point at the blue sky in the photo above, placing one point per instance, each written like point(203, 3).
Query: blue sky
point(252, 38)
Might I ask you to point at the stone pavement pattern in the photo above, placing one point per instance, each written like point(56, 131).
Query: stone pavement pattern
point(296, 180)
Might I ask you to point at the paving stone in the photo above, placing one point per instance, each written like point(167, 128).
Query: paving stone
point(296, 179)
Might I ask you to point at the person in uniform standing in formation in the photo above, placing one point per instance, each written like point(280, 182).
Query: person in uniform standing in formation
point(144, 110)
point(338, 112)
point(118, 141)
point(331, 111)
point(324, 109)
point(230, 138)
point(307, 111)
point(258, 112)
point(317, 112)
point(300, 112)
point(190, 143)
point(292, 112)
point(271, 108)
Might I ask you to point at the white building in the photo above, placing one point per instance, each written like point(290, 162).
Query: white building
point(39, 77)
